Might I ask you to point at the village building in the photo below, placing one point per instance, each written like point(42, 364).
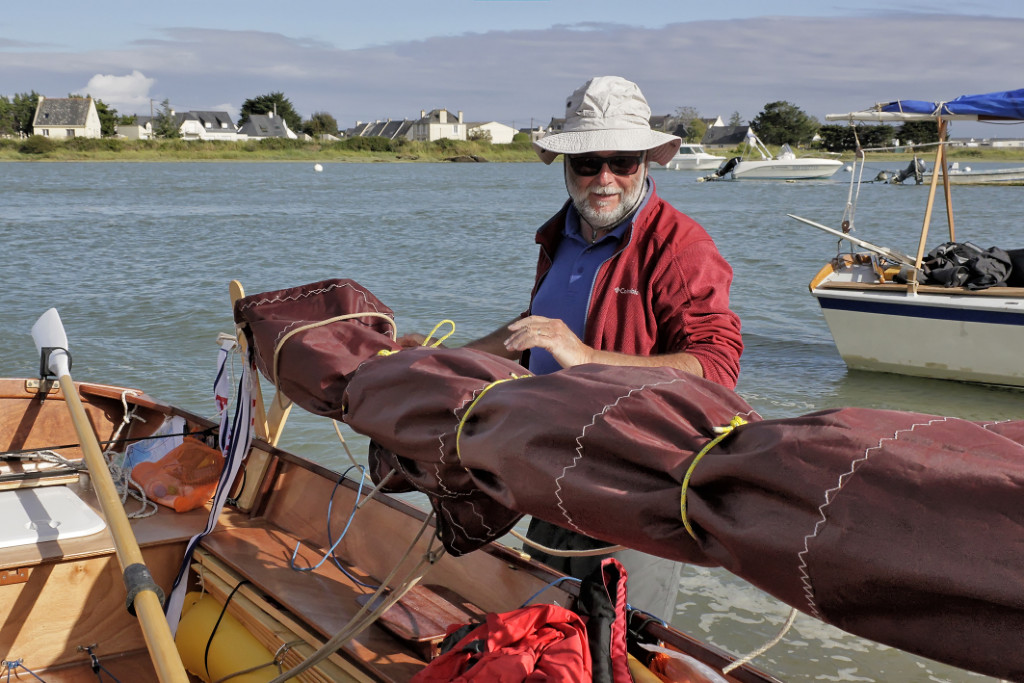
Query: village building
point(142, 129)
point(265, 126)
point(207, 125)
point(437, 124)
point(69, 117)
point(497, 133)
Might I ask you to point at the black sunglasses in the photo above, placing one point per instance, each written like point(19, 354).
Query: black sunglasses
point(621, 165)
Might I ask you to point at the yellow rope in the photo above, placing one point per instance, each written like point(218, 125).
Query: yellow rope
point(465, 416)
point(722, 433)
point(436, 327)
point(321, 323)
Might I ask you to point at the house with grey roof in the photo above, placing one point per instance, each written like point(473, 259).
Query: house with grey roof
point(68, 117)
point(265, 126)
point(437, 124)
point(207, 125)
point(392, 130)
point(724, 137)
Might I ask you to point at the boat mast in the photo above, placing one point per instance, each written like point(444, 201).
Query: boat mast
point(940, 167)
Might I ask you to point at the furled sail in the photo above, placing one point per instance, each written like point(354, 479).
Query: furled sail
point(899, 527)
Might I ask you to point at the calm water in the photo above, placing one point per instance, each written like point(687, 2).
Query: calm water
point(137, 257)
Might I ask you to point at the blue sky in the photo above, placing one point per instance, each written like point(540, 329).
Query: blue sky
point(512, 60)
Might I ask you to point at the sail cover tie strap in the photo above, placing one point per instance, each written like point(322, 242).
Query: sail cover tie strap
point(476, 399)
point(722, 432)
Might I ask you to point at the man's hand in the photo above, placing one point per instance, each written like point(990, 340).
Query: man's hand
point(551, 335)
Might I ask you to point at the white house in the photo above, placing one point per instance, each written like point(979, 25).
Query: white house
point(69, 117)
point(437, 124)
point(142, 129)
point(497, 133)
point(207, 125)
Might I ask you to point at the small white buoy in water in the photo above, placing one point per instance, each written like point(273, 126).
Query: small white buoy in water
point(967, 169)
point(318, 168)
point(848, 168)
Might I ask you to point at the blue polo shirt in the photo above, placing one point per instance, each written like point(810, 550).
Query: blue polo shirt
point(566, 289)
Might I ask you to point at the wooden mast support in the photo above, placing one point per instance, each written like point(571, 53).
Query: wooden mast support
point(267, 426)
point(940, 167)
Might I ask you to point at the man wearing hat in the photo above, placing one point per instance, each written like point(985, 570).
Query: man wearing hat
point(623, 278)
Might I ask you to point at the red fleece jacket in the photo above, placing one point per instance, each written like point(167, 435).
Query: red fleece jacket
point(665, 290)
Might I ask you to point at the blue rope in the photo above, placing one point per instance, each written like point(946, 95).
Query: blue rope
point(16, 664)
point(550, 585)
point(332, 543)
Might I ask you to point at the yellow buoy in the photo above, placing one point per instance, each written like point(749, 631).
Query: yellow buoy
point(232, 649)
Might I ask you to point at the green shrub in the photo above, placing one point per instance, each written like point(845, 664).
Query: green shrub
point(367, 144)
point(37, 144)
point(93, 144)
point(281, 143)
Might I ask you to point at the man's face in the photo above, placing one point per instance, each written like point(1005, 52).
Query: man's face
point(604, 199)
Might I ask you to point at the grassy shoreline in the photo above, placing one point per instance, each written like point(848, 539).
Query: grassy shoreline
point(276, 149)
point(361, 150)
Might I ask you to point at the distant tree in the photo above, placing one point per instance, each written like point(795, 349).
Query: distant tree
point(128, 119)
point(919, 132)
point(23, 111)
point(320, 123)
point(696, 130)
point(165, 123)
point(735, 119)
point(842, 138)
point(782, 122)
point(269, 104)
point(6, 116)
point(689, 119)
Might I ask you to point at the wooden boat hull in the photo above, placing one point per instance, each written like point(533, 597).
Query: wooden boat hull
point(61, 597)
point(938, 332)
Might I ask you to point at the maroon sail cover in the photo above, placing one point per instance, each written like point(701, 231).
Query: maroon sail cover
point(904, 528)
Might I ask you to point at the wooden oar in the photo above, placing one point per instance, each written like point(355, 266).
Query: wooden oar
point(144, 596)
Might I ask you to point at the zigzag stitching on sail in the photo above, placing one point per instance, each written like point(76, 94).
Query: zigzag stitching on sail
point(322, 290)
point(830, 494)
point(579, 444)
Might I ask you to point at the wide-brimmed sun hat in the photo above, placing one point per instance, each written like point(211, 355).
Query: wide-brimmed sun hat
point(608, 114)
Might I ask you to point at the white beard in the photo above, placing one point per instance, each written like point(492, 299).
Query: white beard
point(605, 218)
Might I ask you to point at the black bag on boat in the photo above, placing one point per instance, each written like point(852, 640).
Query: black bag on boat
point(962, 264)
point(1016, 277)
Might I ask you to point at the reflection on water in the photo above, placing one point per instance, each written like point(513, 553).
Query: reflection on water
point(137, 258)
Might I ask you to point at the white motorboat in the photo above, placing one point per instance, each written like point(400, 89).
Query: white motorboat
point(965, 175)
point(785, 166)
point(693, 158)
point(884, 310)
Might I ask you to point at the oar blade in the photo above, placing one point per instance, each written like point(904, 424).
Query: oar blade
point(48, 333)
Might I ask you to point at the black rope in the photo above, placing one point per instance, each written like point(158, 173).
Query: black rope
point(223, 611)
point(97, 667)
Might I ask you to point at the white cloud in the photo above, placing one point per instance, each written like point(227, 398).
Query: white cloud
point(121, 92)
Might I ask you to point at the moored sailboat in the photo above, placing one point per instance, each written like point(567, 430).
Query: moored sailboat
point(966, 327)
